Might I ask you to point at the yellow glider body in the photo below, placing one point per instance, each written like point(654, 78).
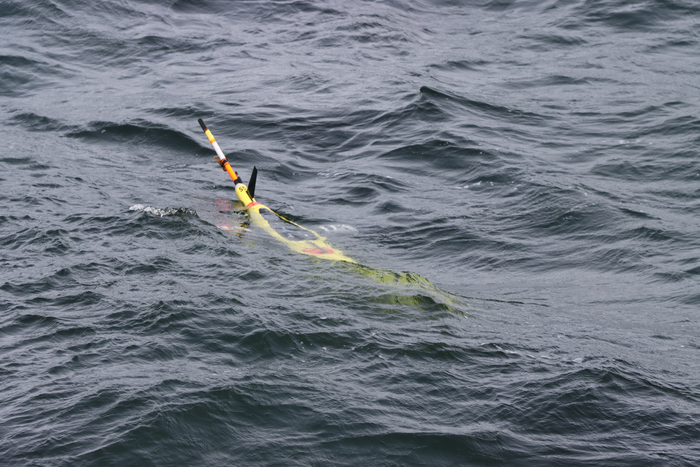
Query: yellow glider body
point(317, 246)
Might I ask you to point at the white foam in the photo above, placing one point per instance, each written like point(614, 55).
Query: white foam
point(230, 227)
point(161, 212)
point(337, 228)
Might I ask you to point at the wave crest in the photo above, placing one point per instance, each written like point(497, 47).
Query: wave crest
point(163, 212)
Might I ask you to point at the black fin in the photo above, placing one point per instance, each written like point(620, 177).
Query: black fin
point(251, 185)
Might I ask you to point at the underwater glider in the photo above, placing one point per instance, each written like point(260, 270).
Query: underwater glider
point(317, 245)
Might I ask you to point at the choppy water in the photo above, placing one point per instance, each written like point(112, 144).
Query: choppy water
point(536, 161)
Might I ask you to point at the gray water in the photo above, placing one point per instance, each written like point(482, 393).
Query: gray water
point(518, 180)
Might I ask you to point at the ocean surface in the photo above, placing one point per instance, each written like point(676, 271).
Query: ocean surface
point(519, 181)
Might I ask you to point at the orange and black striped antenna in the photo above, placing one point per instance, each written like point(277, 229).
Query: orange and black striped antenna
point(221, 159)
